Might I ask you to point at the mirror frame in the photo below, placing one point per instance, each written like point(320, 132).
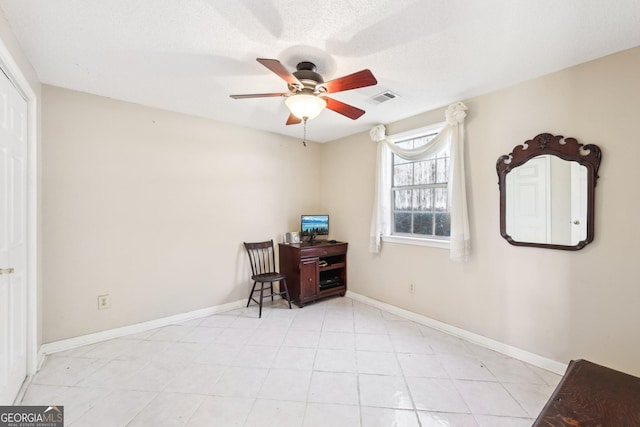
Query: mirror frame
point(568, 149)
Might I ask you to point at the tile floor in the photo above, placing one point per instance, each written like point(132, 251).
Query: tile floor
point(334, 363)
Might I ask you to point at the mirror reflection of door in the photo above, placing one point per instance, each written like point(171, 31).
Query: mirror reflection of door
point(528, 201)
point(578, 203)
point(547, 201)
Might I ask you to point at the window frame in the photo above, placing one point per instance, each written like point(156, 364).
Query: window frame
point(388, 236)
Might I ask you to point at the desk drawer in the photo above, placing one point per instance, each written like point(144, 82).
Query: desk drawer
point(324, 250)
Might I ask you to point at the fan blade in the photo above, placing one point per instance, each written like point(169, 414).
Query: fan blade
point(293, 120)
point(342, 108)
point(275, 66)
point(257, 95)
point(362, 78)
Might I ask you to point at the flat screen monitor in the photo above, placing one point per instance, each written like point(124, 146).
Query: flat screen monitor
point(314, 225)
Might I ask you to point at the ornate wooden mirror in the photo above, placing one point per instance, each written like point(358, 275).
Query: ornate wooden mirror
point(547, 190)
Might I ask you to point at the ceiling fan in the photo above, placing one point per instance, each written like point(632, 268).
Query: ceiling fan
point(307, 89)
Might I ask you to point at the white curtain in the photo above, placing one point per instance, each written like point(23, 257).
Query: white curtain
point(452, 135)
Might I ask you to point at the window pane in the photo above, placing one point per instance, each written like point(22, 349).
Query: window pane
point(402, 222)
point(443, 224)
point(403, 174)
point(424, 172)
point(442, 166)
point(423, 223)
point(402, 200)
point(423, 199)
point(441, 199)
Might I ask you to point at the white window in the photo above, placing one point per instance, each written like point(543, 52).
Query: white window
point(419, 205)
point(410, 203)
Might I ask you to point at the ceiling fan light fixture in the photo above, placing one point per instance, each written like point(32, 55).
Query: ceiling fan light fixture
point(305, 106)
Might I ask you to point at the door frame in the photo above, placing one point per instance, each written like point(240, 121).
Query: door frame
point(15, 75)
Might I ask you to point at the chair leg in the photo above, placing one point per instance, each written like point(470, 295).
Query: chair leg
point(286, 291)
point(251, 293)
point(271, 291)
point(261, 296)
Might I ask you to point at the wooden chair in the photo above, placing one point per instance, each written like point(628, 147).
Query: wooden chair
point(263, 271)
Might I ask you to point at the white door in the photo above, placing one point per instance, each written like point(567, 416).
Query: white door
point(13, 240)
point(527, 212)
point(578, 203)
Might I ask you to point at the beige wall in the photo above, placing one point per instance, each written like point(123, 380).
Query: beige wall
point(558, 304)
point(152, 207)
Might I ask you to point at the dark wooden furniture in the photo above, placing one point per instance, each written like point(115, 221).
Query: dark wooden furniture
point(263, 271)
point(314, 270)
point(592, 395)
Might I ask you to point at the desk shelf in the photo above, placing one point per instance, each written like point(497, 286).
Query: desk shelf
point(335, 266)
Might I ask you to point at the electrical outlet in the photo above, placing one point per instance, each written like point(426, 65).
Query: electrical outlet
point(412, 288)
point(103, 302)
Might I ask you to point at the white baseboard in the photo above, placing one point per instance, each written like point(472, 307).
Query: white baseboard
point(71, 343)
point(523, 355)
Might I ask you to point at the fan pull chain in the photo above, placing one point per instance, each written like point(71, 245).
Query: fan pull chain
point(304, 138)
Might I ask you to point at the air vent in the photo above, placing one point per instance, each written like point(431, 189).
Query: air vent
point(384, 97)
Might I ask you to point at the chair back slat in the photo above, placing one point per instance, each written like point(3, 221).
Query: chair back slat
point(261, 257)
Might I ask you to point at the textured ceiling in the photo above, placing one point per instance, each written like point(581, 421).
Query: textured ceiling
point(190, 55)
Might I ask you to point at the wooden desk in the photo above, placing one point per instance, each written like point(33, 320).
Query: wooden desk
point(592, 395)
point(314, 270)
